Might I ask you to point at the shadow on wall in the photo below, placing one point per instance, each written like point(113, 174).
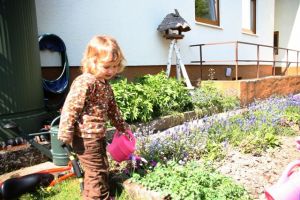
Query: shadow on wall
point(5, 72)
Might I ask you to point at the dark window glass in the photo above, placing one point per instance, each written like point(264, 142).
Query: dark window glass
point(207, 11)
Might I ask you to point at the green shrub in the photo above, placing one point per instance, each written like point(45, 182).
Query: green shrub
point(167, 94)
point(151, 96)
point(133, 101)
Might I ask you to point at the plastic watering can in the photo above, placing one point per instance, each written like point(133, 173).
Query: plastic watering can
point(122, 147)
point(288, 185)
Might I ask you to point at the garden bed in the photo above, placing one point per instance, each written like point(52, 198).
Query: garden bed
point(256, 145)
point(17, 157)
point(255, 173)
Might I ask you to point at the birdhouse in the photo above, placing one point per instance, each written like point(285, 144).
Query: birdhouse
point(173, 25)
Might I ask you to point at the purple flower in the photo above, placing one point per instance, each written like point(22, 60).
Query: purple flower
point(153, 163)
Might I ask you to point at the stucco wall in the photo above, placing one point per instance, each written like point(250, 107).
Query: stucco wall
point(287, 22)
point(134, 24)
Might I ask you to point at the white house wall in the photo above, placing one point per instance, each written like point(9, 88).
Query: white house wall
point(287, 22)
point(134, 22)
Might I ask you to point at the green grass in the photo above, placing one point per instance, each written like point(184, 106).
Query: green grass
point(68, 189)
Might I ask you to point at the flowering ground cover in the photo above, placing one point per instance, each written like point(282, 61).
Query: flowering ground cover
point(253, 131)
point(203, 141)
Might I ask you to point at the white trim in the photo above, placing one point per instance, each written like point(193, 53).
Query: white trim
point(251, 34)
point(209, 25)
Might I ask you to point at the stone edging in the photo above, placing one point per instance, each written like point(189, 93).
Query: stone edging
point(161, 123)
point(136, 191)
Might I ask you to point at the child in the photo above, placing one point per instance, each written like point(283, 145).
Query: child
point(88, 105)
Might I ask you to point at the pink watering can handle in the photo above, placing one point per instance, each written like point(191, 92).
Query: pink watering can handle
point(128, 132)
point(289, 170)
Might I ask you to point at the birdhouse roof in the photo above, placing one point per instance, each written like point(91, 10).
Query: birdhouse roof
point(175, 22)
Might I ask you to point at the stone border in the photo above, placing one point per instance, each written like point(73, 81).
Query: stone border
point(161, 123)
point(136, 191)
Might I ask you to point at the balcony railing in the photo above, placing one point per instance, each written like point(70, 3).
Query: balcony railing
point(258, 61)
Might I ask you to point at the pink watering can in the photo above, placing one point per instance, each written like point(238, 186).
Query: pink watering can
point(122, 147)
point(288, 185)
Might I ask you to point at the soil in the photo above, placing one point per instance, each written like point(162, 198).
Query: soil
point(257, 173)
point(13, 158)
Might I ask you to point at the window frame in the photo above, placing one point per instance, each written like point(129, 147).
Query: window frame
point(252, 19)
point(209, 21)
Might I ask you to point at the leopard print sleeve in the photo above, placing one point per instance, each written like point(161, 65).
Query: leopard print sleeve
point(72, 108)
point(114, 113)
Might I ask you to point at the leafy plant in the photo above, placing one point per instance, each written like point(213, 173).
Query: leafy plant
point(191, 181)
point(292, 114)
point(167, 94)
point(133, 101)
point(151, 96)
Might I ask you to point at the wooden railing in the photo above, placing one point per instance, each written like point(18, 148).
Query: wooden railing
point(236, 60)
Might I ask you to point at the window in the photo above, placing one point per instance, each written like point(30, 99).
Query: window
point(249, 16)
point(207, 11)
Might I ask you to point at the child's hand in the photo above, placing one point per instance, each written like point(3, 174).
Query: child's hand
point(128, 134)
point(65, 140)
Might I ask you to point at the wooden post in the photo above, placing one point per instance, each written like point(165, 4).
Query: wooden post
point(236, 60)
point(274, 60)
point(297, 62)
point(182, 67)
point(170, 58)
point(287, 60)
point(201, 64)
point(257, 62)
point(178, 71)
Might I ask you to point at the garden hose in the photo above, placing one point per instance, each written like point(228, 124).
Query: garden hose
point(75, 163)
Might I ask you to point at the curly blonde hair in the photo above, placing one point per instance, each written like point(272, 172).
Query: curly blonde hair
point(100, 51)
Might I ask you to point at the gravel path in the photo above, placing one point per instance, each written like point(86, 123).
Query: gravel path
point(257, 173)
